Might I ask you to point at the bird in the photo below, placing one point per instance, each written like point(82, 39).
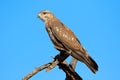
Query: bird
point(64, 39)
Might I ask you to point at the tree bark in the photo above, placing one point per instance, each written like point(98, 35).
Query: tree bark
point(69, 69)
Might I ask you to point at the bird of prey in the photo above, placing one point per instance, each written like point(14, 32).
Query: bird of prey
point(65, 40)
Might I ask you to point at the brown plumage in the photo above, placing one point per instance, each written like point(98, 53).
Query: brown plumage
point(65, 40)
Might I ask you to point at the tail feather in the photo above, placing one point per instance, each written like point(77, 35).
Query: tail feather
point(87, 60)
point(92, 64)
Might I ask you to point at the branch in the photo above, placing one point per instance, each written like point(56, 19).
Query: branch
point(70, 70)
point(73, 63)
point(35, 71)
point(58, 60)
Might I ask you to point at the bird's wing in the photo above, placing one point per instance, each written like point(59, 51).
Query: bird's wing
point(70, 41)
point(66, 36)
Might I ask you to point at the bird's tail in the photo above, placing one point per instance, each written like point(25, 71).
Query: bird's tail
point(87, 60)
point(91, 64)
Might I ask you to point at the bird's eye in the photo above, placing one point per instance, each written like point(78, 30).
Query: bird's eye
point(44, 13)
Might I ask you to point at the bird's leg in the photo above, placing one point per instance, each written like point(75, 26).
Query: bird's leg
point(59, 48)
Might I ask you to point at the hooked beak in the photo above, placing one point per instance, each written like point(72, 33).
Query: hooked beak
point(38, 16)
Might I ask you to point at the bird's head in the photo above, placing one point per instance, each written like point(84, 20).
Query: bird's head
point(45, 15)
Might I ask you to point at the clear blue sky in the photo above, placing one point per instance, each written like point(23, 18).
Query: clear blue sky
point(24, 43)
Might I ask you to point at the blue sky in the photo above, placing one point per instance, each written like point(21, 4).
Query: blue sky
point(24, 42)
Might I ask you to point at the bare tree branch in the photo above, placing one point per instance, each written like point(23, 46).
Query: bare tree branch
point(35, 71)
point(73, 63)
point(58, 60)
point(70, 72)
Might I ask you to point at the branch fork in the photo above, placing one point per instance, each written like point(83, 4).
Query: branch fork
point(59, 60)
